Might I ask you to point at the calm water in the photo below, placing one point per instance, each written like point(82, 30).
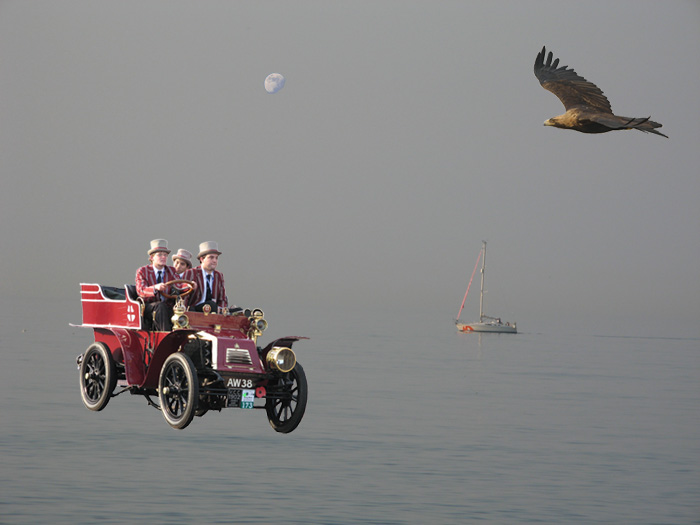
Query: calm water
point(407, 422)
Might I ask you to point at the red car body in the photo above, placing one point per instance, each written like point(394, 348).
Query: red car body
point(208, 362)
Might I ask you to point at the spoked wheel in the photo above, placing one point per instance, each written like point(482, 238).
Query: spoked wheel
point(178, 390)
point(98, 376)
point(286, 400)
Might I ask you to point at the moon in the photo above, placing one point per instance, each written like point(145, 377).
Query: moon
point(274, 82)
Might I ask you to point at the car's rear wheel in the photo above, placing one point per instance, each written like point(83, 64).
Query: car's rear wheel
point(98, 376)
point(178, 390)
point(286, 400)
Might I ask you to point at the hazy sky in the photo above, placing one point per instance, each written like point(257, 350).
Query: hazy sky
point(406, 133)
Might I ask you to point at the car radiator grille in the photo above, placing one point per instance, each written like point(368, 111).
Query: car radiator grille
point(238, 356)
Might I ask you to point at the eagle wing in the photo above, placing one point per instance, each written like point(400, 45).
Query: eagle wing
point(572, 89)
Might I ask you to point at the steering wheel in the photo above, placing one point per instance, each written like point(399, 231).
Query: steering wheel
point(191, 285)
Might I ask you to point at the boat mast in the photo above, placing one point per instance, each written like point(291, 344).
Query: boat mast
point(483, 278)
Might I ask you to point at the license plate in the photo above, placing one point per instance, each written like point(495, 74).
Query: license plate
point(237, 398)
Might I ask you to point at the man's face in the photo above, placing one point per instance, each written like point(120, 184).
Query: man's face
point(210, 261)
point(180, 265)
point(159, 259)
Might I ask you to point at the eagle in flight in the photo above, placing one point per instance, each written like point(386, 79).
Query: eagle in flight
point(587, 109)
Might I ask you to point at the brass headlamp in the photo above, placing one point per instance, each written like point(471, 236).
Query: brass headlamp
point(257, 323)
point(281, 358)
point(179, 319)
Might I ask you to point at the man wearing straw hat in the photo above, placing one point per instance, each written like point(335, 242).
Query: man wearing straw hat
point(150, 282)
point(210, 283)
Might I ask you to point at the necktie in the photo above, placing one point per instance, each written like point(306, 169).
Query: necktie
point(160, 277)
point(208, 288)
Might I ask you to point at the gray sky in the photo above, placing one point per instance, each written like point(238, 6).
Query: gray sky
point(406, 133)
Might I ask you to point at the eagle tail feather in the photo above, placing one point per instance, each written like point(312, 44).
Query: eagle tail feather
point(646, 125)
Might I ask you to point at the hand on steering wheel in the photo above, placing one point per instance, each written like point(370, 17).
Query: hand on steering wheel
point(190, 285)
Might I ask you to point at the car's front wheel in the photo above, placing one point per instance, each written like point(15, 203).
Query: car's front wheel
point(178, 390)
point(286, 400)
point(98, 376)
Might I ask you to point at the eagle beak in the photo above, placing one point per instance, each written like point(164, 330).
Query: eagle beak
point(548, 122)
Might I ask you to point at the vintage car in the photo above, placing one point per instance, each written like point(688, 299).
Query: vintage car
point(209, 360)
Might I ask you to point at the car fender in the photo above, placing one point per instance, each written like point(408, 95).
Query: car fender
point(170, 344)
point(132, 344)
point(282, 341)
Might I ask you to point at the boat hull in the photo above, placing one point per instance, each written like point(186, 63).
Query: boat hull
point(496, 328)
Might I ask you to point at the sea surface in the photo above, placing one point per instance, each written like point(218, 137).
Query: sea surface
point(407, 422)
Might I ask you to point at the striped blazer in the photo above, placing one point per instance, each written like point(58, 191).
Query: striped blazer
point(218, 290)
point(146, 280)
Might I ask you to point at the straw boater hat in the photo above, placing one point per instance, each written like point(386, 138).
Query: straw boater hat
point(184, 255)
point(208, 247)
point(158, 245)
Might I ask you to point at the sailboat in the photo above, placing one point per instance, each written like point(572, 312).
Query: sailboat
point(486, 323)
